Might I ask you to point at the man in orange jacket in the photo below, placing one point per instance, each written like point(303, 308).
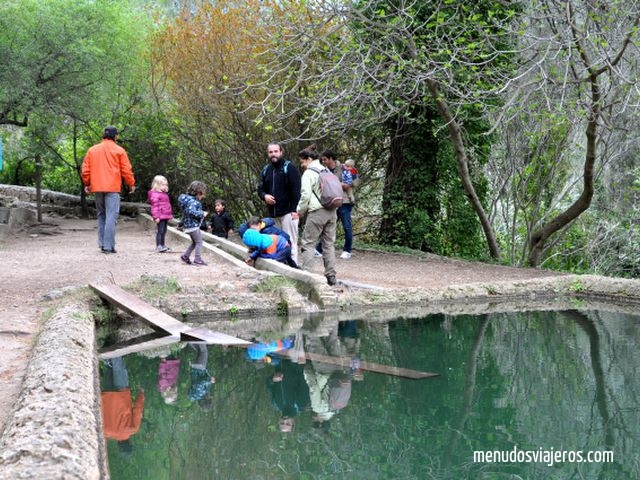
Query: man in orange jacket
point(104, 167)
point(121, 415)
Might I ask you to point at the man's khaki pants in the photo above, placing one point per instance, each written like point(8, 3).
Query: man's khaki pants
point(320, 225)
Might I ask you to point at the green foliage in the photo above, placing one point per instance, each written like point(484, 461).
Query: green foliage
point(273, 283)
point(69, 68)
point(106, 323)
point(56, 54)
point(599, 242)
point(103, 315)
point(283, 308)
point(577, 286)
point(435, 215)
point(154, 149)
point(424, 207)
point(570, 252)
point(57, 179)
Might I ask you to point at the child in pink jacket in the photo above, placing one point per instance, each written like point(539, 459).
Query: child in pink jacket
point(168, 379)
point(160, 210)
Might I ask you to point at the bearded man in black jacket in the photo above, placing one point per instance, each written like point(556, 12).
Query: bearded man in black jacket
point(279, 189)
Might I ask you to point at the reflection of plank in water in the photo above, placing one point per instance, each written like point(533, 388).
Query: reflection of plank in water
point(203, 334)
point(370, 366)
point(135, 345)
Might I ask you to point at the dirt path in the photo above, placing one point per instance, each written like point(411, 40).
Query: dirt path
point(63, 253)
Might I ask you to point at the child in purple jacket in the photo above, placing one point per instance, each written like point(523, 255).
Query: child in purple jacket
point(160, 210)
point(168, 372)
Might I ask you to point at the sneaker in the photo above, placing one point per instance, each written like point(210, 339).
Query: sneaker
point(161, 249)
point(331, 280)
point(107, 250)
point(199, 261)
point(185, 259)
point(345, 255)
point(316, 253)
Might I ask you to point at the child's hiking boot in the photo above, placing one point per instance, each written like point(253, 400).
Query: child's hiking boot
point(199, 261)
point(185, 259)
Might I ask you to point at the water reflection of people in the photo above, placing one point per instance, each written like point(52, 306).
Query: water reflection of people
point(348, 335)
point(260, 351)
point(330, 382)
point(168, 372)
point(121, 416)
point(201, 379)
point(329, 385)
point(289, 392)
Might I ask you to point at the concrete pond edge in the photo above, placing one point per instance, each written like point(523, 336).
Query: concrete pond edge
point(54, 430)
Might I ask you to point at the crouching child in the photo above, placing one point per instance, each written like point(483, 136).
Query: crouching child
point(263, 225)
point(263, 245)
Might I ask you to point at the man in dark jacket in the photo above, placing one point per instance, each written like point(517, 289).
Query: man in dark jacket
point(279, 189)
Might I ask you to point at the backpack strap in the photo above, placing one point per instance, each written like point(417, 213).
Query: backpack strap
point(318, 182)
point(285, 167)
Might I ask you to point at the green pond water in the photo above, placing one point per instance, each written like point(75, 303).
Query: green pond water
point(538, 390)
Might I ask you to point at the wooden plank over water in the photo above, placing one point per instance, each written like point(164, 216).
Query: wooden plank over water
point(162, 323)
point(148, 314)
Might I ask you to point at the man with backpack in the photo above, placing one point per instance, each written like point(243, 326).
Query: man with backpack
point(320, 223)
point(279, 189)
point(330, 160)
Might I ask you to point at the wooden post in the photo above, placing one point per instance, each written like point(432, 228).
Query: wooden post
point(39, 188)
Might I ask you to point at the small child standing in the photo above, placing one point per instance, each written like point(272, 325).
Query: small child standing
point(221, 221)
point(192, 218)
point(161, 211)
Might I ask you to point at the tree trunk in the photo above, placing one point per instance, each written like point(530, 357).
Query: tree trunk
point(455, 132)
point(393, 174)
point(539, 237)
point(411, 182)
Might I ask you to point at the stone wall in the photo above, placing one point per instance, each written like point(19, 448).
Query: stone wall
point(14, 197)
point(55, 429)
